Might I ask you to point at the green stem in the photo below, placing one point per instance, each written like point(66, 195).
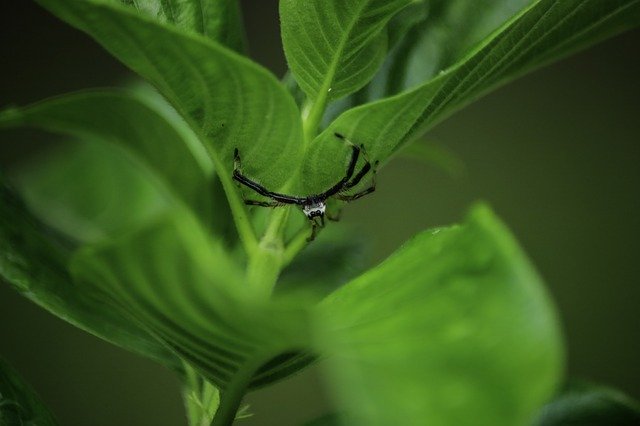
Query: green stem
point(312, 114)
point(266, 262)
point(268, 257)
point(298, 242)
point(238, 208)
point(232, 396)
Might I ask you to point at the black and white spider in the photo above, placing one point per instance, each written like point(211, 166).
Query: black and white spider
point(314, 206)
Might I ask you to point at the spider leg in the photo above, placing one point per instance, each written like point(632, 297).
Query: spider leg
point(239, 177)
point(363, 171)
point(316, 225)
point(314, 231)
point(355, 153)
point(262, 203)
point(364, 192)
point(357, 195)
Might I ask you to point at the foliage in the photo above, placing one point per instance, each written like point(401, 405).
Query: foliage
point(19, 405)
point(454, 328)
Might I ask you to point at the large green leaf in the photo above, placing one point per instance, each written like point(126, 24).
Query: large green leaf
point(334, 47)
point(454, 329)
point(220, 20)
point(171, 153)
point(19, 405)
point(35, 262)
point(547, 30)
point(230, 101)
point(588, 405)
point(171, 277)
point(88, 190)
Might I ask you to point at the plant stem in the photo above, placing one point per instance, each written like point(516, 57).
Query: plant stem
point(312, 114)
point(238, 210)
point(232, 396)
point(298, 242)
point(266, 263)
point(269, 256)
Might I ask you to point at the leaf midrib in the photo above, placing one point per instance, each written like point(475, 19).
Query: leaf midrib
point(333, 66)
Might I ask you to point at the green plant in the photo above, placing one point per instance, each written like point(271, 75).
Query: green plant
point(455, 328)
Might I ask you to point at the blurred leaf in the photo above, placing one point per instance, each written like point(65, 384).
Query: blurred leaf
point(335, 257)
point(588, 405)
point(326, 420)
point(405, 20)
point(172, 154)
point(227, 99)
point(219, 20)
point(426, 38)
point(19, 405)
point(334, 47)
point(220, 218)
point(546, 31)
point(454, 329)
point(34, 261)
point(433, 154)
point(88, 191)
point(183, 287)
point(449, 30)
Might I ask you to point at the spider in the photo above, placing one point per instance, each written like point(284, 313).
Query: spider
point(314, 206)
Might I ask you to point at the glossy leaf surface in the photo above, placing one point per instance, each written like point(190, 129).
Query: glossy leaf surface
point(454, 328)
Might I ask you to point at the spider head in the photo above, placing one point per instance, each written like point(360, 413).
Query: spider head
point(314, 208)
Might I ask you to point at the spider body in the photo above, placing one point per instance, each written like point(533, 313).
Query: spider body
point(314, 206)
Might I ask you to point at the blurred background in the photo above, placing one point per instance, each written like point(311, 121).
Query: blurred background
point(556, 153)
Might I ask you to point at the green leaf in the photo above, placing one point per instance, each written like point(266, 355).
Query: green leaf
point(432, 46)
point(335, 257)
point(454, 329)
point(189, 294)
point(167, 150)
point(588, 405)
point(19, 405)
point(228, 100)
point(326, 420)
point(89, 191)
point(546, 31)
point(433, 154)
point(220, 20)
point(335, 47)
point(34, 260)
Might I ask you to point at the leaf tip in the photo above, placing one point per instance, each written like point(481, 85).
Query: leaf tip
point(10, 116)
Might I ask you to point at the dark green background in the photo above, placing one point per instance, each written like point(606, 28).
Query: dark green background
point(556, 153)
